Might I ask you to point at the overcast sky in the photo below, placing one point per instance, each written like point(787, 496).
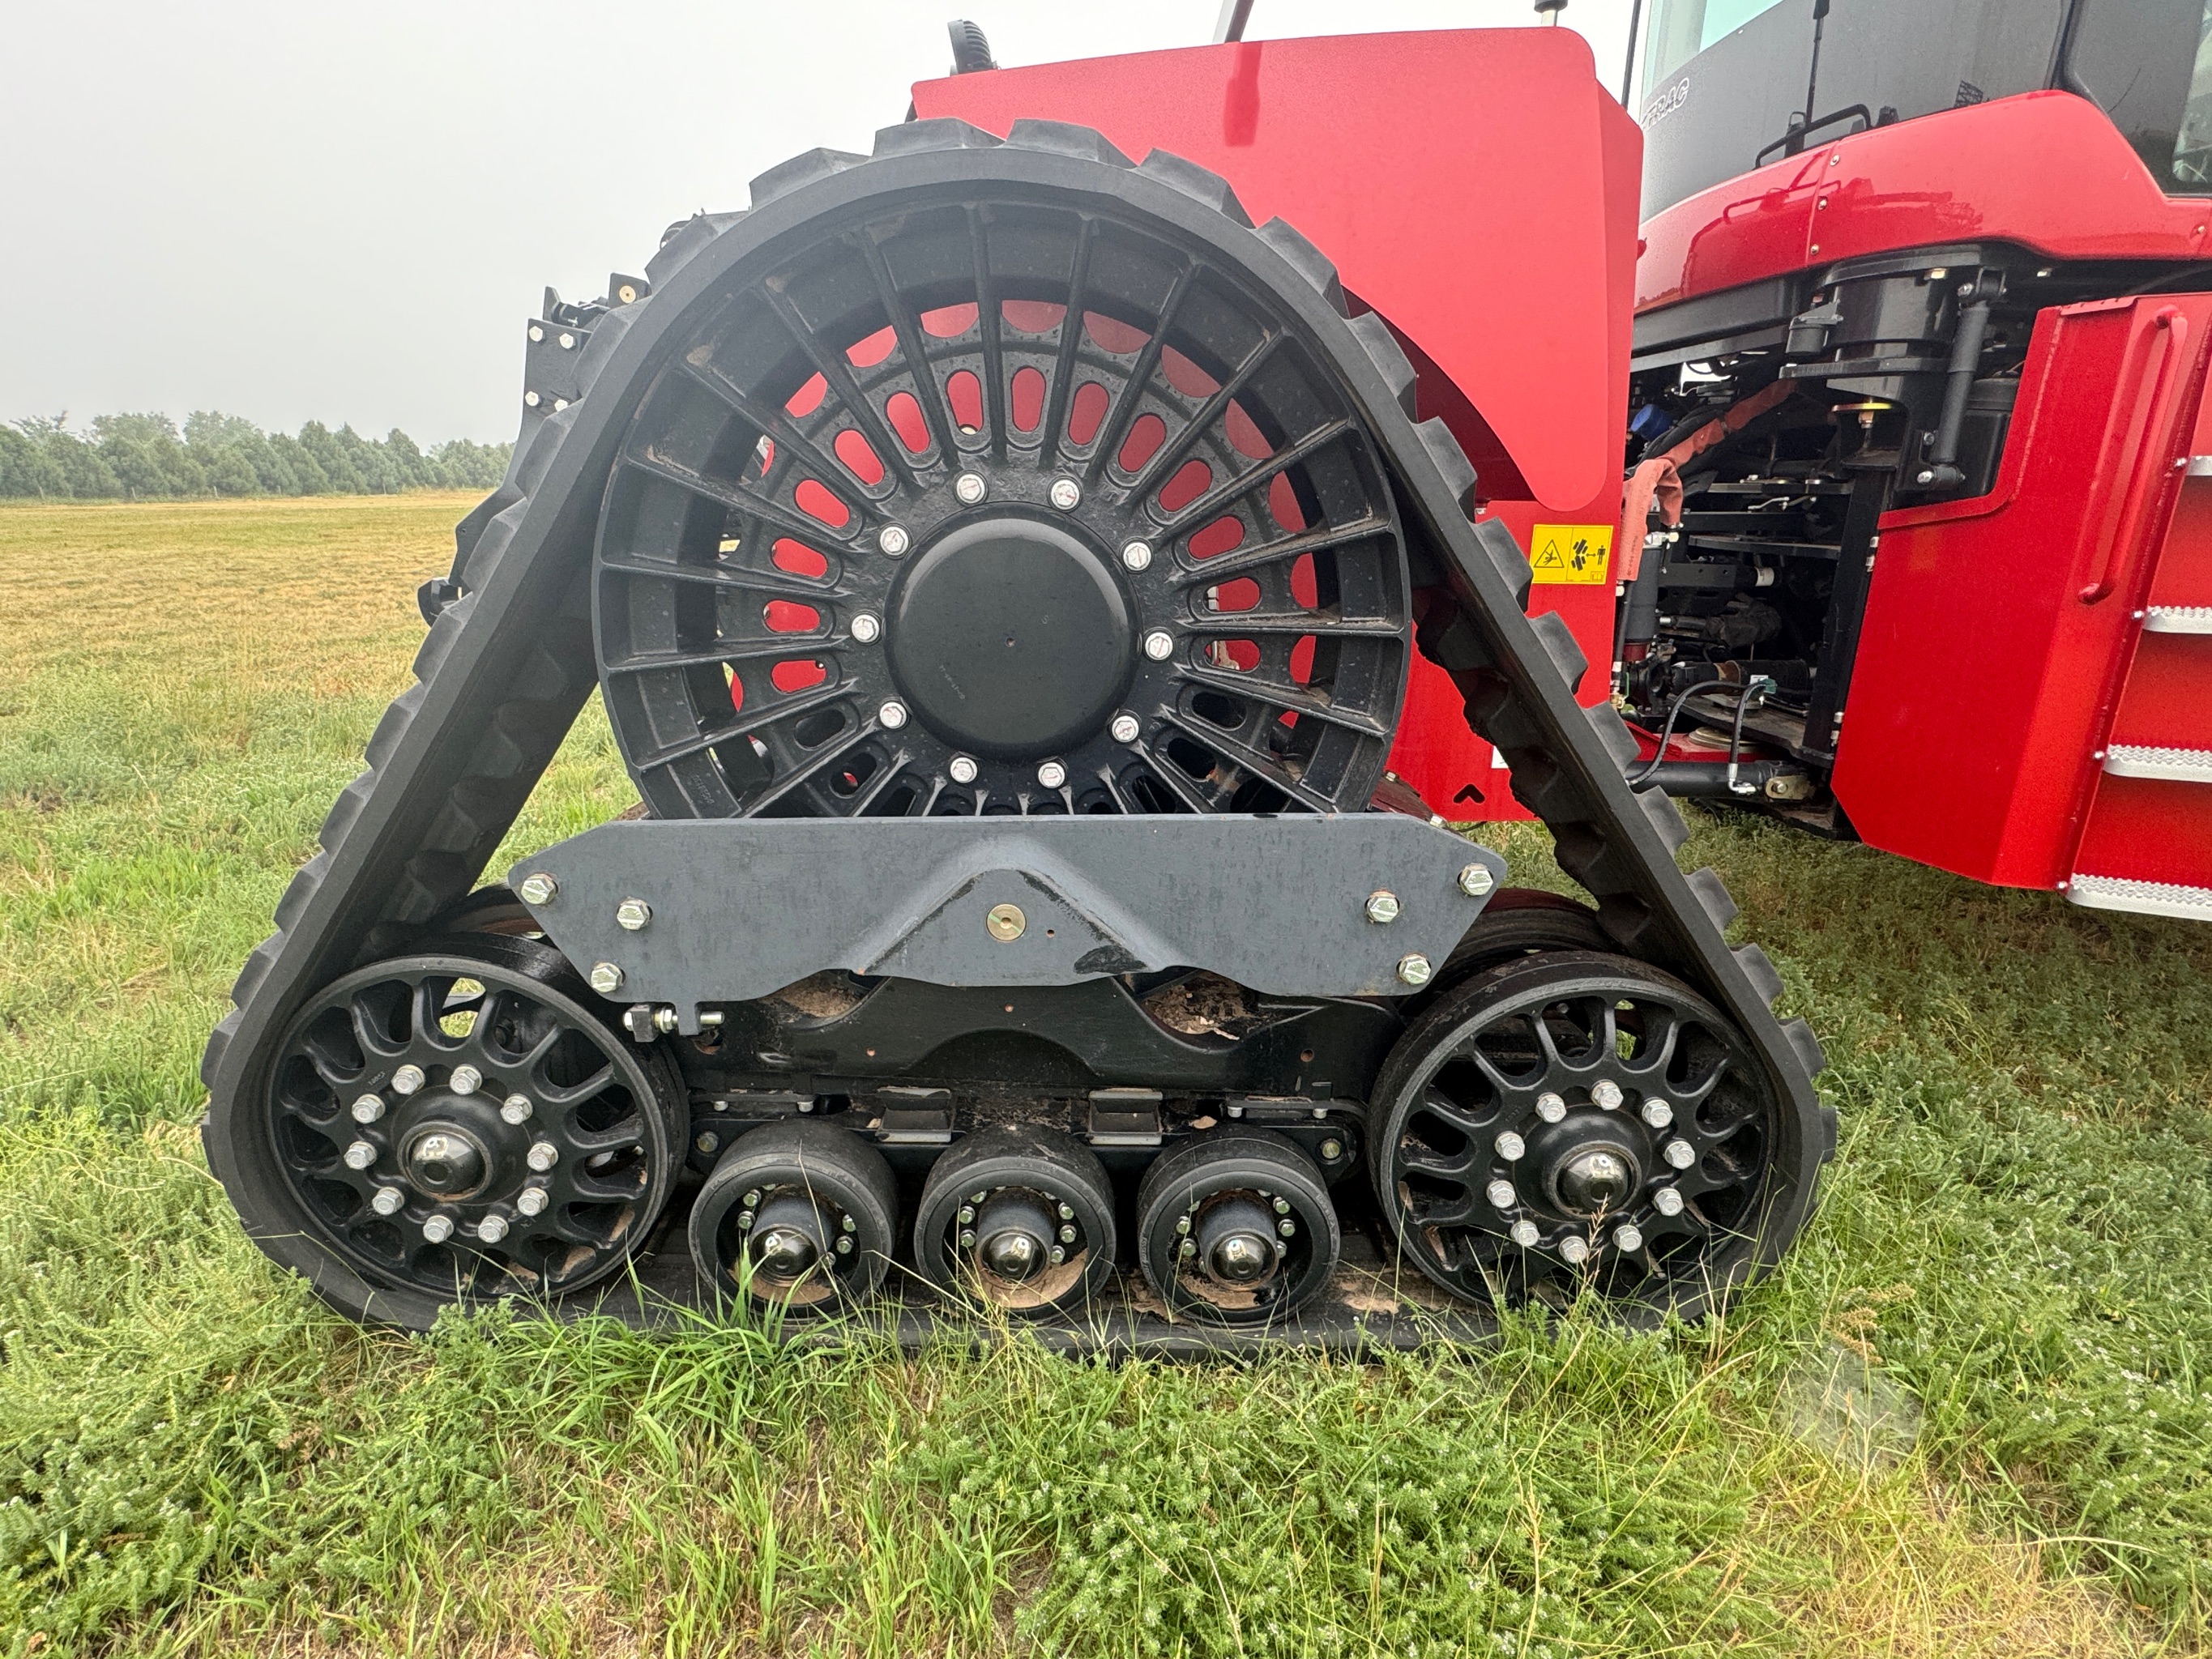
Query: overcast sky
point(344, 212)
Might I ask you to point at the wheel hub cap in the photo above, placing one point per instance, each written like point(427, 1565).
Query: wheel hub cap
point(1595, 1180)
point(1236, 1243)
point(1013, 1236)
point(445, 1161)
point(789, 1239)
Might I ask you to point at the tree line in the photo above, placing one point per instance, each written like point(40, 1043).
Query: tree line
point(143, 457)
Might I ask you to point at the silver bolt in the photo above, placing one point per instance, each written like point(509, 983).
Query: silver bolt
point(751, 1199)
point(1124, 728)
point(538, 888)
point(1189, 1248)
point(1331, 1151)
point(1287, 1228)
point(970, 489)
point(1067, 1234)
point(387, 1200)
point(978, 1195)
point(866, 628)
point(1525, 1233)
point(1658, 1114)
point(1137, 555)
point(1068, 1213)
point(967, 1240)
point(1678, 1153)
point(530, 398)
point(1065, 493)
point(632, 914)
point(1182, 1224)
point(1605, 1094)
point(536, 333)
point(1282, 1206)
point(844, 1247)
point(1159, 644)
point(1510, 1147)
point(893, 540)
point(967, 1214)
point(515, 1108)
point(1382, 906)
point(1574, 1250)
point(567, 343)
point(849, 1223)
point(1476, 881)
point(1551, 1108)
point(543, 1156)
point(437, 1229)
point(606, 978)
point(361, 1155)
point(531, 1200)
point(466, 1080)
point(1051, 775)
point(744, 1220)
point(407, 1079)
point(368, 1109)
point(1629, 1237)
point(963, 768)
point(892, 715)
point(492, 1229)
point(1667, 1202)
point(1415, 968)
point(1501, 1195)
point(707, 1140)
point(1058, 1256)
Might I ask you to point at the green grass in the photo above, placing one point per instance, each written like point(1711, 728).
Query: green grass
point(2012, 1268)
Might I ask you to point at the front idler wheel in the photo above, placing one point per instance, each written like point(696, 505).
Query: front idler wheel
point(799, 1217)
point(1235, 1228)
point(1018, 1218)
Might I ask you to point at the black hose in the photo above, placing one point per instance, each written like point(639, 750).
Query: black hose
point(1759, 683)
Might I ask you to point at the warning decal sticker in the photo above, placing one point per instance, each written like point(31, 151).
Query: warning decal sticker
point(1570, 552)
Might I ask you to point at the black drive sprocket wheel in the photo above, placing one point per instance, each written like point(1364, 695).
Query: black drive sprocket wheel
point(464, 1122)
point(984, 498)
point(1574, 1118)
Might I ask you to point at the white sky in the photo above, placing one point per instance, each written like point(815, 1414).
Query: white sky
point(344, 212)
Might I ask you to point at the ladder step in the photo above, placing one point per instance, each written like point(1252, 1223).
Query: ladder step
point(2177, 619)
point(2149, 898)
point(2137, 760)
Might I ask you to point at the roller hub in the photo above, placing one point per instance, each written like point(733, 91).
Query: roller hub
point(446, 1161)
point(1236, 1242)
point(1014, 1236)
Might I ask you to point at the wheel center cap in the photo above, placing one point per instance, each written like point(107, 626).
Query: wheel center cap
point(1596, 1179)
point(445, 1161)
point(1013, 1237)
point(1010, 637)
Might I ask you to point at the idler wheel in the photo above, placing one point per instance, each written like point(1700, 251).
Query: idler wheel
point(1019, 1218)
point(799, 1216)
point(1235, 1228)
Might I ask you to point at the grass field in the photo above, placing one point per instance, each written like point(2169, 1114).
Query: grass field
point(1970, 1417)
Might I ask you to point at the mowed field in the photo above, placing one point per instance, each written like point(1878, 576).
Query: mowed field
point(1970, 1416)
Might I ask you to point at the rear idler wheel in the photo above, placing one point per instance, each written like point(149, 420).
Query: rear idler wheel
point(1575, 1119)
point(799, 1217)
point(1235, 1228)
point(1018, 1218)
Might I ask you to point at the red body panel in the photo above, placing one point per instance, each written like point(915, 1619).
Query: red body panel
point(1476, 187)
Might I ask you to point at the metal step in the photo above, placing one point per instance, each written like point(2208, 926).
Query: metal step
point(2177, 619)
point(2149, 898)
point(2136, 760)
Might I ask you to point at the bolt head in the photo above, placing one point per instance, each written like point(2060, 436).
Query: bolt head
point(368, 1109)
point(970, 488)
point(844, 1247)
point(967, 1239)
point(1414, 969)
point(1287, 1228)
point(466, 1080)
point(1679, 1154)
point(1067, 1234)
point(407, 1079)
point(1667, 1202)
point(892, 715)
point(1057, 1257)
point(1658, 1113)
point(1051, 775)
point(1124, 728)
point(893, 540)
point(1525, 1233)
point(492, 1229)
point(632, 914)
point(606, 978)
point(437, 1229)
point(1188, 1248)
point(849, 1223)
point(1605, 1094)
point(1005, 923)
point(963, 768)
point(978, 1195)
point(1066, 494)
point(744, 1220)
point(530, 398)
point(1282, 1206)
point(532, 1200)
point(1331, 1151)
point(1574, 1250)
point(538, 888)
point(1502, 1194)
point(707, 1140)
point(1551, 1108)
point(1382, 906)
point(1137, 555)
point(536, 333)
point(1476, 881)
point(515, 1108)
point(361, 1155)
point(751, 1199)
point(1159, 644)
point(543, 1156)
point(1629, 1237)
point(1510, 1147)
point(866, 629)
point(1182, 1224)
point(388, 1201)
point(1066, 1211)
point(567, 343)
point(967, 1214)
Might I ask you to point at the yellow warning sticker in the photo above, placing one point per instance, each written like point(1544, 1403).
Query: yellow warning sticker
point(1570, 552)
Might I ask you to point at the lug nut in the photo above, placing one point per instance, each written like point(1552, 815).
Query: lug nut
point(1282, 1206)
point(967, 1214)
point(543, 1156)
point(1187, 1250)
point(361, 1155)
point(844, 1247)
point(437, 1229)
point(1066, 1211)
point(1066, 494)
point(1574, 1250)
point(1382, 906)
point(1525, 1233)
point(632, 914)
point(1658, 1113)
point(893, 540)
point(387, 1200)
point(531, 1200)
point(1051, 775)
point(1067, 1234)
point(1124, 728)
point(892, 715)
point(606, 978)
point(1629, 1237)
point(1678, 1153)
point(1182, 1224)
point(1551, 1108)
point(1057, 1257)
point(466, 1080)
point(1510, 1147)
point(407, 1079)
point(865, 629)
point(492, 1229)
point(515, 1108)
point(1476, 881)
point(538, 888)
point(963, 768)
point(967, 1239)
point(368, 1109)
point(1605, 1094)
point(978, 1195)
point(744, 1220)
point(751, 1199)
point(1159, 644)
point(1502, 1195)
point(1414, 969)
point(1137, 555)
point(970, 489)
point(849, 1223)
point(1667, 1202)
point(1287, 1228)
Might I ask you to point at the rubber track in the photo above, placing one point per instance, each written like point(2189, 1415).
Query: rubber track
point(508, 664)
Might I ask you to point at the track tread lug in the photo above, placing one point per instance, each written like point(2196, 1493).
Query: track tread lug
point(397, 717)
point(1199, 184)
point(1666, 817)
point(1799, 1034)
point(1318, 269)
point(1560, 645)
point(799, 171)
point(1760, 970)
point(683, 239)
point(1507, 559)
point(1712, 896)
point(305, 881)
point(940, 132)
point(1612, 732)
point(343, 811)
point(1390, 359)
point(1066, 138)
point(1450, 460)
point(443, 632)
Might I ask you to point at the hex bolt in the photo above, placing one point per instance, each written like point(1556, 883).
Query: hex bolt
point(707, 1140)
point(407, 1079)
point(466, 1080)
point(1605, 1094)
point(1574, 1250)
point(368, 1109)
point(844, 1247)
point(531, 1200)
point(967, 1239)
point(1287, 1228)
point(848, 1224)
point(866, 629)
point(543, 1156)
point(1501, 1195)
point(1067, 1234)
point(1382, 906)
point(1124, 728)
point(1476, 881)
point(1678, 1153)
point(530, 398)
point(1525, 1233)
point(567, 343)
point(1066, 494)
point(1414, 969)
point(963, 768)
point(1550, 1107)
point(1510, 1147)
point(492, 1229)
point(1629, 1237)
point(1137, 555)
point(1057, 1257)
point(893, 540)
point(1667, 1202)
point(437, 1229)
point(1066, 1211)
point(1051, 775)
point(978, 1196)
point(744, 1220)
point(606, 978)
point(387, 1200)
point(1182, 1224)
point(361, 1155)
point(1188, 1248)
point(1658, 1113)
point(1282, 1206)
point(967, 1214)
point(1159, 644)
point(515, 1108)
point(538, 888)
point(632, 914)
point(971, 489)
point(892, 715)
point(536, 333)
point(1331, 1151)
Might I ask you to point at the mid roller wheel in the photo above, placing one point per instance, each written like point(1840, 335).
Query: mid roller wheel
point(1020, 1217)
point(1575, 1118)
point(1235, 1228)
point(799, 1216)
